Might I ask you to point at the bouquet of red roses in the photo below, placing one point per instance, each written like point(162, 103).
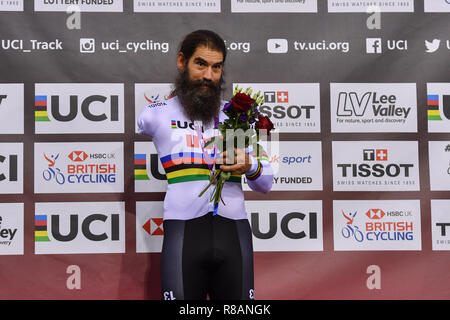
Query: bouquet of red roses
point(242, 129)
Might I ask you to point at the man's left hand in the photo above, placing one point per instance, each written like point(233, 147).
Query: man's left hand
point(240, 164)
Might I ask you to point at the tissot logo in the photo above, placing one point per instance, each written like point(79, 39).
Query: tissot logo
point(80, 227)
point(388, 165)
point(440, 224)
point(79, 108)
point(363, 6)
point(292, 107)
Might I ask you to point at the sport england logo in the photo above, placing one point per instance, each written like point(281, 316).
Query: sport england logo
point(12, 108)
point(79, 108)
point(438, 107)
point(376, 225)
point(292, 107)
point(375, 166)
point(78, 167)
point(286, 226)
point(296, 166)
point(373, 107)
point(79, 227)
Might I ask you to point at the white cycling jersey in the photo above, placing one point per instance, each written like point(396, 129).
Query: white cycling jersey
point(179, 149)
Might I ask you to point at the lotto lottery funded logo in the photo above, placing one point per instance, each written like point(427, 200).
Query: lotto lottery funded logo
point(373, 107)
point(78, 167)
point(375, 166)
point(286, 225)
point(437, 5)
point(79, 227)
point(292, 107)
point(376, 225)
point(82, 5)
point(79, 108)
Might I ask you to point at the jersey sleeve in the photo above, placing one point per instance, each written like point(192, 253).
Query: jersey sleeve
point(147, 120)
point(260, 175)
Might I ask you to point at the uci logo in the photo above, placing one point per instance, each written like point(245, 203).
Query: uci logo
point(12, 161)
point(88, 106)
point(286, 223)
point(110, 228)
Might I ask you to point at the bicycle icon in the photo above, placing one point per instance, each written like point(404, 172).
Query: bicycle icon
point(53, 174)
point(351, 231)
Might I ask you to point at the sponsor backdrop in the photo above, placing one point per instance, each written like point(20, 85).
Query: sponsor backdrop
point(360, 96)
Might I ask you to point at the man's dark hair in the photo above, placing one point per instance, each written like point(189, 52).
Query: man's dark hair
point(206, 38)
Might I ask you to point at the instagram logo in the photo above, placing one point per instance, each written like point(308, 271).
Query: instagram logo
point(87, 45)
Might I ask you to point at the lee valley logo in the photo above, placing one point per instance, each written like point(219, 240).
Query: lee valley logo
point(377, 225)
point(373, 107)
point(292, 107)
point(79, 108)
point(78, 167)
point(375, 166)
point(11, 228)
point(79, 227)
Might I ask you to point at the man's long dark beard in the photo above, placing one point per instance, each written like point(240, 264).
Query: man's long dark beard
point(198, 103)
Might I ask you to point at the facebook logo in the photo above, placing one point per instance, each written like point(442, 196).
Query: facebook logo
point(373, 45)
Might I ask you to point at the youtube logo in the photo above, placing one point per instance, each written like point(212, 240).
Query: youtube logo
point(277, 46)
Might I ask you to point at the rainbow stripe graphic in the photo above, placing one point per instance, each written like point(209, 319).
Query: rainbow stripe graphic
point(40, 228)
point(188, 166)
point(174, 124)
point(433, 107)
point(140, 167)
point(40, 109)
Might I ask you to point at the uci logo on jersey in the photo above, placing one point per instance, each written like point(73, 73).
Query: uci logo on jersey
point(178, 124)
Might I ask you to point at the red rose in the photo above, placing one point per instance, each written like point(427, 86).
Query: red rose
point(242, 102)
point(264, 123)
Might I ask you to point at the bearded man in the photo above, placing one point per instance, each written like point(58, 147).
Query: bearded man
point(203, 254)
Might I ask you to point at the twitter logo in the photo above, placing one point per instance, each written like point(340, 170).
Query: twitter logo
point(433, 45)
